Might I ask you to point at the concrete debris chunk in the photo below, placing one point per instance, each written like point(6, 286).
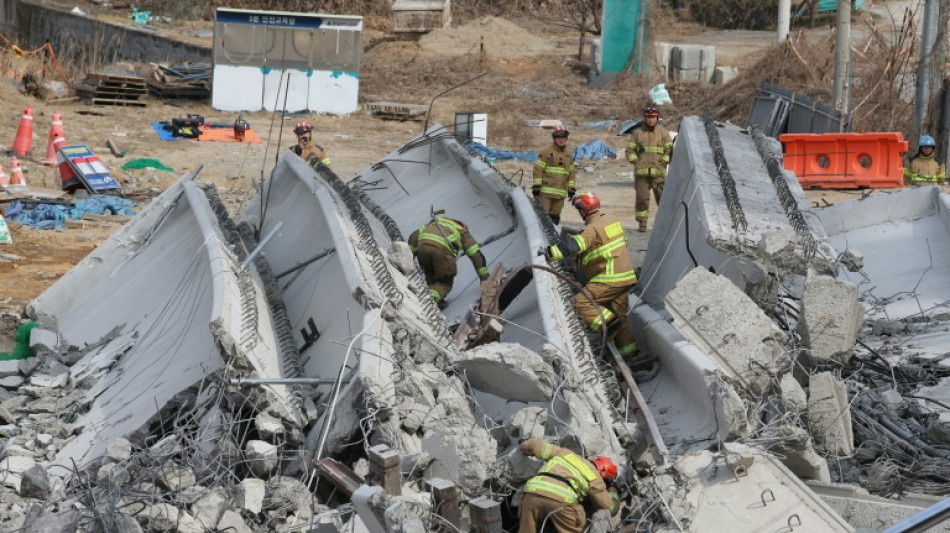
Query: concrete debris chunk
point(461, 455)
point(829, 415)
point(249, 495)
point(939, 429)
point(28, 365)
point(119, 450)
point(12, 468)
point(892, 399)
point(9, 368)
point(261, 457)
point(830, 319)
point(233, 523)
point(726, 324)
point(167, 517)
point(176, 477)
point(43, 341)
point(509, 371)
point(794, 399)
point(11, 382)
point(35, 483)
point(405, 513)
point(401, 257)
point(797, 452)
point(291, 497)
point(209, 507)
point(112, 475)
point(528, 423)
point(268, 427)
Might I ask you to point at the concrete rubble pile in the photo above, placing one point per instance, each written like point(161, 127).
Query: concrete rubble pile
point(137, 414)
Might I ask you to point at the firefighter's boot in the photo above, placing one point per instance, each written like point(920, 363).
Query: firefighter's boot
point(643, 225)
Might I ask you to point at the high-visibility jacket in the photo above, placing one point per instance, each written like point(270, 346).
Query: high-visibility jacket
point(924, 169)
point(312, 153)
point(554, 172)
point(452, 237)
point(650, 150)
point(601, 249)
point(566, 477)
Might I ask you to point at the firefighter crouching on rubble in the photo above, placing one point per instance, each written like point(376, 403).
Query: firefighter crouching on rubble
point(436, 245)
point(924, 169)
point(556, 494)
point(649, 151)
point(554, 175)
point(601, 248)
point(306, 148)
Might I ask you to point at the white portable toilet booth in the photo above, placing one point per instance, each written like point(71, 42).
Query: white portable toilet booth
point(282, 61)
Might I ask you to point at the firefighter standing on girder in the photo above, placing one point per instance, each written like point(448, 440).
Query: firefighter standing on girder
point(649, 151)
point(436, 245)
point(556, 495)
point(601, 248)
point(924, 169)
point(554, 175)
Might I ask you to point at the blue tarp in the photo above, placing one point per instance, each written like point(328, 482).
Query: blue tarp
point(50, 216)
point(498, 154)
point(593, 150)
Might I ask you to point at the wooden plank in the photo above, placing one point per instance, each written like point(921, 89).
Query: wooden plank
point(112, 101)
point(113, 219)
point(112, 77)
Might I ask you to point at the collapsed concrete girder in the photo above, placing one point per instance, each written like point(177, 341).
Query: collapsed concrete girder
point(162, 305)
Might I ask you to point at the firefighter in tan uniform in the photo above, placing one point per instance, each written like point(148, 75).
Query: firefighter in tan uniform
point(556, 495)
point(924, 168)
point(601, 248)
point(306, 148)
point(554, 175)
point(649, 151)
point(436, 245)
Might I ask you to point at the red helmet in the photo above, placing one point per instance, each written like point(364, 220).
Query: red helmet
point(651, 111)
point(559, 131)
point(587, 203)
point(303, 127)
point(605, 467)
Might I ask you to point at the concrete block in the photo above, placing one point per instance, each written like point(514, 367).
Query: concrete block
point(797, 453)
point(43, 341)
point(829, 417)
point(231, 521)
point(446, 498)
point(405, 512)
point(871, 513)
point(268, 427)
point(794, 399)
point(661, 56)
point(112, 475)
point(261, 457)
point(28, 365)
point(463, 456)
point(509, 371)
point(401, 257)
point(250, 495)
point(176, 477)
point(35, 483)
point(9, 368)
point(723, 75)
point(11, 382)
point(209, 508)
point(166, 517)
point(831, 316)
point(12, 469)
point(730, 328)
point(695, 61)
point(119, 450)
point(528, 423)
point(384, 469)
point(485, 516)
point(42, 379)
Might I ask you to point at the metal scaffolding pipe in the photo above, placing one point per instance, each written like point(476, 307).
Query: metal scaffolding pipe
point(928, 39)
point(843, 57)
point(283, 381)
point(784, 19)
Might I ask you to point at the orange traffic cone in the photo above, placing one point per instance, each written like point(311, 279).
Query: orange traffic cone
point(23, 143)
point(55, 132)
point(4, 180)
point(16, 173)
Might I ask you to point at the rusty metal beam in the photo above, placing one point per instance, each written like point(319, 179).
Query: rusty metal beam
point(342, 477)
point(642, 410)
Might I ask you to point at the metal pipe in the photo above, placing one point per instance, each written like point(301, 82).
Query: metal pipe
point(924, 520)
point(784, 19)
point(260, 246)
point(283, 381)
point(928, 37)
point(843, 57)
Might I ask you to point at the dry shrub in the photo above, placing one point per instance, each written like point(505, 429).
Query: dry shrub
point(734, 14)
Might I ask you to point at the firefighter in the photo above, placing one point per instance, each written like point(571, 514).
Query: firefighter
point(924, 169)
point(436, 245)
point(557, 493)
point(649, 151)
point(306, 148)
point(601, 248)
point(554, 175)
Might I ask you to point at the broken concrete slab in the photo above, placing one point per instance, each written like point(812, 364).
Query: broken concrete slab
point(830, 318)
point(868, 512)
point(793, 396)
point(35, 483)
point(232, 521)
point(461, 456)
point(249, 495)
point(509, 371)
point(12, 469)
point(44, 341)
point(726, 324)
point(797, 452)
point(829, 415)
point(261, 457)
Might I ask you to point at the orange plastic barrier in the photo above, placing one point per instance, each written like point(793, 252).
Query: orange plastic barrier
point(845, 160)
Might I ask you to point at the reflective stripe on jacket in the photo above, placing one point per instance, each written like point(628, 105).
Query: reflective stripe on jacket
point(650, 150)
point(602, 250)
point(924, 169)
point(453, 237)
point(565, 476)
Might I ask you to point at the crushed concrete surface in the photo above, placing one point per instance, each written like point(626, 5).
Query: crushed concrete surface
point(142, 417)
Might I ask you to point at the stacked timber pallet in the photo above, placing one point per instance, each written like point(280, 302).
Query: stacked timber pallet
point(108, 89)
point(397, 111)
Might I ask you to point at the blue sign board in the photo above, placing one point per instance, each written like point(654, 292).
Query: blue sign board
point(88, 168)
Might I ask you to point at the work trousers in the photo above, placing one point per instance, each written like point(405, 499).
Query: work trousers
point(438, 264)
point(615, 301)
point(643, 185)
point(553, 207)
point(564, 517)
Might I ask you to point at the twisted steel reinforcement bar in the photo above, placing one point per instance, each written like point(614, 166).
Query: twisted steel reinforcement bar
point(809, 246)
point(725, 175)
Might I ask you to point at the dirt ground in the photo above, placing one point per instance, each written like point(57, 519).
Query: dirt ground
point(545, 81)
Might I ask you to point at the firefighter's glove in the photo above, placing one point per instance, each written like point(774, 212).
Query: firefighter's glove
point(553, 253)
point(535, 191)
point(614, 500)
point(570, 194)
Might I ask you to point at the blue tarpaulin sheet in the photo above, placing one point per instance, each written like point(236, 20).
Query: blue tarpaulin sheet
point(498, 154)
point(50, 216)
point(593, 150)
